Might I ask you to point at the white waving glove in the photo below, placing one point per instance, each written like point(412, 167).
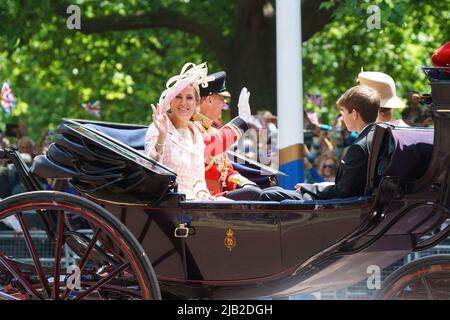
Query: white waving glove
point(243, 105)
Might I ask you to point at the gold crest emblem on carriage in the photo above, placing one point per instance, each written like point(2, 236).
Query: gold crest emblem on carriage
point(230, 240)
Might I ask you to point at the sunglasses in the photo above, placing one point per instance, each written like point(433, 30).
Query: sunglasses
point(331, 166)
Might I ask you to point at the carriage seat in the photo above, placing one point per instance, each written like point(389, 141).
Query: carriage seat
point(328, 201)
point(403, 152)
point(309, 205)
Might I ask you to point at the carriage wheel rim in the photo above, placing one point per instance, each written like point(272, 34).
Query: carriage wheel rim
point(403, 281)
point(146, 293)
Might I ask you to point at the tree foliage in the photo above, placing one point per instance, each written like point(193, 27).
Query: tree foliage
point(411, 30)
point(53, 70)
point(125, 51)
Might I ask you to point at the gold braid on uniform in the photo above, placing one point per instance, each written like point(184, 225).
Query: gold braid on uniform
point(203, 122)
point(239, 126)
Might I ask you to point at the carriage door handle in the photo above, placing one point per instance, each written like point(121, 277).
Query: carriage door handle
point(182, 231)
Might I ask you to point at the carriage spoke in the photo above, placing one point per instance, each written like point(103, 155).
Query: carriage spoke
point(84, 258)
point(58, 249)
point(105, 280)
point(34, 255)
point(16, 273)
point(89, 249)
point(427, 286)
point(108, 247)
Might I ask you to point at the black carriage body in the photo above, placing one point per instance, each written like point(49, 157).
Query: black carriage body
point(245, 249)
point(276, 248)
point(237, 250)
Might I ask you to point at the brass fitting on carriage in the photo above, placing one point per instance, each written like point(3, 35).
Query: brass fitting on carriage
point(182, 231)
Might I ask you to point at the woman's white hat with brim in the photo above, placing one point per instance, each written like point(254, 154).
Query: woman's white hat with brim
point(384, 85)
point(189, 73)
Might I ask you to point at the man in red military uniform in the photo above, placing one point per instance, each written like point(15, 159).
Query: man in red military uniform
point(221, 178)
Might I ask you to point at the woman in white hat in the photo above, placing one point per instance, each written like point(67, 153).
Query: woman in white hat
point(173, 139)
point(385, 86)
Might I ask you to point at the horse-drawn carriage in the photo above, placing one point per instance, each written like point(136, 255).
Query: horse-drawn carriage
point(135, 237)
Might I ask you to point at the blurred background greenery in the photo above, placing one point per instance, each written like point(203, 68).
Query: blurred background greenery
point(126, 51)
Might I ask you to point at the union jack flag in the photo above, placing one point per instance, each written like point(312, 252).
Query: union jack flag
point(8, 100)
point(92, 108)
point(312, 116)
point(315, 99)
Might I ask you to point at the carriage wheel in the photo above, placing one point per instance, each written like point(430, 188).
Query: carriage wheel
point(424, 279)
point(66, 247)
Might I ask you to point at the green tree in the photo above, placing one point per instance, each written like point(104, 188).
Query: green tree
point(410, 32)
point(124, 53)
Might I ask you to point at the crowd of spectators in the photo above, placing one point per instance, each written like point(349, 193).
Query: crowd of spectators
point(415, 114)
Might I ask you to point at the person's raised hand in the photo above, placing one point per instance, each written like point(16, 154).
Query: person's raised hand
point(161, 121)
point(244, 105)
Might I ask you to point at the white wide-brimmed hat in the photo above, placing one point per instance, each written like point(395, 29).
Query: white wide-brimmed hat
point(384, 85)
point(189, 73)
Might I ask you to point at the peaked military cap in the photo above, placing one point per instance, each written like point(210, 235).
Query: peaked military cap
point(216, 85)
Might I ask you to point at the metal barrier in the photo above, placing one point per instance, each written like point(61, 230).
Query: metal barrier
point(14, 245)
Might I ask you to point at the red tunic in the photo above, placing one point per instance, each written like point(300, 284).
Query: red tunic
point(219, 173)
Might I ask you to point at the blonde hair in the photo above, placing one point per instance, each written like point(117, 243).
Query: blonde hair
point(197, 91)
point(196, 96)
point(195, 74)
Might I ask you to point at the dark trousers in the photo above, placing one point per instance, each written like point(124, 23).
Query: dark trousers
point(247, 193)
point(280, 194)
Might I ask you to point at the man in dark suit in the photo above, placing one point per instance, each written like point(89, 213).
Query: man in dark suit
point(359, 108)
